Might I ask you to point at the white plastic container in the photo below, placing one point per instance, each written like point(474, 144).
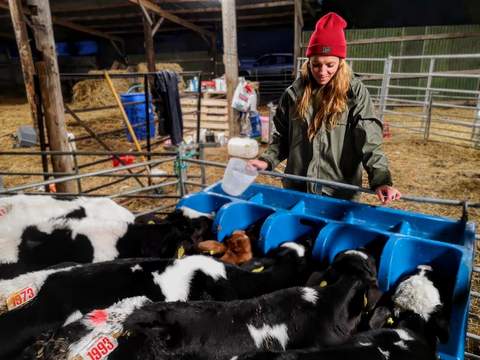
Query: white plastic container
point(242, 147)
point(238, 177)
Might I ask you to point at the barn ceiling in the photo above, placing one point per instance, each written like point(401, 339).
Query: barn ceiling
point(123, 18)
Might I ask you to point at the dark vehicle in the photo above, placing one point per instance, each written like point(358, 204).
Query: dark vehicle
point(278, 65)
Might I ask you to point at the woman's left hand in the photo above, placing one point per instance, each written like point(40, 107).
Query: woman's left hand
point(386, 194)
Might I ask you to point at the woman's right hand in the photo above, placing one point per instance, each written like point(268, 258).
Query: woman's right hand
point(258, 164)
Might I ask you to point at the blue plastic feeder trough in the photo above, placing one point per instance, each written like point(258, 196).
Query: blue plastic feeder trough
point(400, 239)
point(136, 114)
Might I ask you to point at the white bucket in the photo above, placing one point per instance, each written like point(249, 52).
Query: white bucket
point(238, 177)
point(242, 147)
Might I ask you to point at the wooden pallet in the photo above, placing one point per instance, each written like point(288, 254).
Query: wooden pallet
point(213, 113)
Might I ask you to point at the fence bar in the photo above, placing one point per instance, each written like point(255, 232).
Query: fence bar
point(449, 56)
point(387, 71)
point(146, 188)
point(195, 184)
point(472, 356)
point(476, 130)
point(473, 336)
point(428, 121)
point(74, 177)
point(475, 294)
point(342, 185)
point(418, 115)
point(90, 153)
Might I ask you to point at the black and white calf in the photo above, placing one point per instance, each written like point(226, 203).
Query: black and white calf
point(40, 231)
point(419, 321)
point(46, 299)
point(290, 318)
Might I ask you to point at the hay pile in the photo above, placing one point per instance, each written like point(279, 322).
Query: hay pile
point(93, 93)
point(142, 67)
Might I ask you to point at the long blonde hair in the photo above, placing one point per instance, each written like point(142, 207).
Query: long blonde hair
point(331, 99)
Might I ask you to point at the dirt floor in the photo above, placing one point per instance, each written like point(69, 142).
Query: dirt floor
point(439, 169)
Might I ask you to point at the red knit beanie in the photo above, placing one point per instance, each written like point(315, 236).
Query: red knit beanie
point(328, 39)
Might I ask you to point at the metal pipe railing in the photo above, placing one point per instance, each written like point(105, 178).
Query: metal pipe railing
point(335, 184)
point(75, 177)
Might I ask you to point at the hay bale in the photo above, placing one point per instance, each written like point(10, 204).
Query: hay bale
point(93, 93)
point(142, 67)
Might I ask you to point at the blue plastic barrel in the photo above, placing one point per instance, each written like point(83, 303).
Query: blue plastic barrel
point(62, 49)
point(87, 47)
point(136, 115)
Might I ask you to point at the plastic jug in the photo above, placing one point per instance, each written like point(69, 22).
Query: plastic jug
point(242, 147)
point(238, 177)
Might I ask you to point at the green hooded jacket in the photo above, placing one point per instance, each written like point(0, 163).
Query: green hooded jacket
point(336, 155)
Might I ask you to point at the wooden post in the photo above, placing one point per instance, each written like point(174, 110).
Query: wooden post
point(25, 54)
point(149, 44)
point(55, 124)
point(230, 59)
point(297, 37)
point(41, 22)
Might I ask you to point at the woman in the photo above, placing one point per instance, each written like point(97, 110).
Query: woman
point(325, 123)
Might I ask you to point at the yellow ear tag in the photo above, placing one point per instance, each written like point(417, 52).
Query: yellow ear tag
point(180, 252)
point(323, 283)
point(151, 222)
point(390, 321)
point(211, 252)
point(259, 269)
point(365, 301)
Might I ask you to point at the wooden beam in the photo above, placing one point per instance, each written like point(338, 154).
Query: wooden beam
point(211, 19)
point(173, 18)
point(179, 1)
point(265, 5)
point(131, 15)
point(49, 78)
point(157, 25)
point(149, 45)
point(71, 25)
point(146, 15)
point(247, 17)
point(78, 7)
point(230, 59)
point(286, 22)
point(118, 25)
point(26, 58)
point(84, 29)
point(297, 34)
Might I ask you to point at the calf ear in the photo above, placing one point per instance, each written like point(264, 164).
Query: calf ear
point(379, 317)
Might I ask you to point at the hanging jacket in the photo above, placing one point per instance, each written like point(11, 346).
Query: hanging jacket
point(167, 106)
point(336, 155)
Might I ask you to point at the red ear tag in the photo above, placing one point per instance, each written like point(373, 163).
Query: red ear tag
point(98, 317)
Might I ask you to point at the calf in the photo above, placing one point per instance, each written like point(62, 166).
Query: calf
point(90, 232)
point(289, 318)
point(417, 316)
point(62, 295)
point(236, 250)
